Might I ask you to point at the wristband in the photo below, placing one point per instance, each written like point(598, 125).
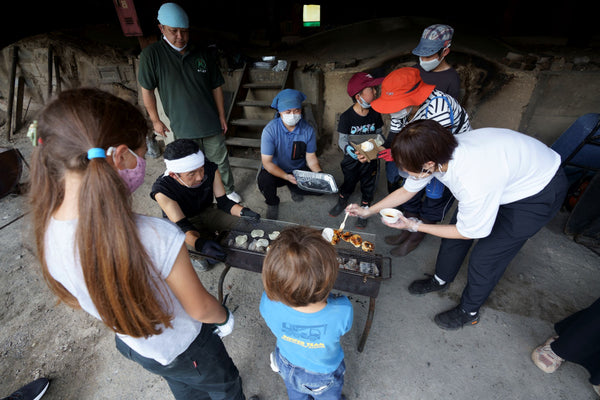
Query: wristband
point(185, 225)
point(225, 204)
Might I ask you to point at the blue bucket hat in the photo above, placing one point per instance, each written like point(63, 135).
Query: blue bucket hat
point(171, 14)
point(434, 38)
point(287, 99)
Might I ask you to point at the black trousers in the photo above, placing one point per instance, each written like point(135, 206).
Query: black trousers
point(354, 171)
point(433, 210)
point(268, 184)
point(202, 372)
point(515, 223)
point(579, 340)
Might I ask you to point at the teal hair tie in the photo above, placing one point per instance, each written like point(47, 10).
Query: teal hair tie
point(96, 152)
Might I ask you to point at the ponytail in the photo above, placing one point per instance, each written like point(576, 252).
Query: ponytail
point(120, 277)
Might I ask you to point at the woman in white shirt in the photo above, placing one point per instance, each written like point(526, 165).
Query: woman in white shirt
point(508, 186)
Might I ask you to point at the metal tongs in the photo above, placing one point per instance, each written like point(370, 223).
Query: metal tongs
point(343, 224)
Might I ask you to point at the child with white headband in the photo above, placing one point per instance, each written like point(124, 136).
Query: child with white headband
point(188, 186)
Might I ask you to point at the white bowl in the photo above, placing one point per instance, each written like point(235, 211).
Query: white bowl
point(390, 215)
point(366, 146)
point(327, 234)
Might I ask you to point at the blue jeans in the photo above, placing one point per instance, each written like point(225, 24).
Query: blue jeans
point(204, 371)
point(304, 385)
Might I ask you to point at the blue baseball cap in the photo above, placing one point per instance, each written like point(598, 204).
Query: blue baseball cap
point(287, 99)
point(434, 38)
point(171, 14)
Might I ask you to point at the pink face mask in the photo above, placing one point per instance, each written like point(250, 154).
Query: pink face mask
point(133, 177)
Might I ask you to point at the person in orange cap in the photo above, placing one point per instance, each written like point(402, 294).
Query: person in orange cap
point(406, 97)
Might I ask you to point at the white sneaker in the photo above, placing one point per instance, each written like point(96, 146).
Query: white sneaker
point(274, 366)
point(233, 196)
point(200, 264)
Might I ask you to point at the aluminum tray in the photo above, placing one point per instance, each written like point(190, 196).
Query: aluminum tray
point(319, 182)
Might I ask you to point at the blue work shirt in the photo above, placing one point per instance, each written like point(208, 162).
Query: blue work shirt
point(288, 149)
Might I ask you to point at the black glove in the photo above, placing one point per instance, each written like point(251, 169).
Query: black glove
point(247, 213)
point(210, 248)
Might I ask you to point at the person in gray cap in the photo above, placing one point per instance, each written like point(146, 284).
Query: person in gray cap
point(432, 50)
point(190, 86)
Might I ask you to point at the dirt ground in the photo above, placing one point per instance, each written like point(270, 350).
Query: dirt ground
point(40, 338)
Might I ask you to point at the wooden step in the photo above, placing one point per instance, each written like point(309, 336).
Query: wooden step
point(257, 123)
point(242, 142)
point(262, 85)
point(254, 103)
point(240, 162)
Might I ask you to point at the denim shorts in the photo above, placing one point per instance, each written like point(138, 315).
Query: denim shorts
point(303, 385)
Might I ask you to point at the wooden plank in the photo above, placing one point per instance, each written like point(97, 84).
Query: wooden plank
point(254, 103)
point(249, 122)
point(243, 142)
point(263, 85)
point(244, 163)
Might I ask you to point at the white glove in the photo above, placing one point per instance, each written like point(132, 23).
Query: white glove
point(412, 224)
point(226, 327)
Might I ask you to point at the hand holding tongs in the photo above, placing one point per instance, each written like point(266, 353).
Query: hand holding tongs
point(343, 224)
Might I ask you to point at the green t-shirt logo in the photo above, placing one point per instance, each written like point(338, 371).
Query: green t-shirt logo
point(200, 65)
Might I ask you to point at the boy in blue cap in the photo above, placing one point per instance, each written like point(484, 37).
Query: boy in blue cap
point(288, 142)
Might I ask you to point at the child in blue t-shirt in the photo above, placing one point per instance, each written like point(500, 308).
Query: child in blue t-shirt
point(298, 274)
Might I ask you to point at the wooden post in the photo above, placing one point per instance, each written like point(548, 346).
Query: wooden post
point(50, 57)
point(57, 71)
point(19, 106)
point(11, 90)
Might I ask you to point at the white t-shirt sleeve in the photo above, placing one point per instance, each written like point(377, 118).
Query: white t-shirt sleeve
point(162, 240)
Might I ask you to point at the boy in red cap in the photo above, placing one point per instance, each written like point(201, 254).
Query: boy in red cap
point(358, 124)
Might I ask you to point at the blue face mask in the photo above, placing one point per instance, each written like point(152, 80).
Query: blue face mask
point(363, 103)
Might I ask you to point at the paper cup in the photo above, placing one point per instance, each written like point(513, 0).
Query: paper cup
point(390, 215)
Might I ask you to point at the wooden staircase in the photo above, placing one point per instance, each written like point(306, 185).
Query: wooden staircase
point(249, 111)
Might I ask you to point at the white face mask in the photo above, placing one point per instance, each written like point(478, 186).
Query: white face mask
point(290, 119)
point(402, 113)
point(425, 173)
point(173, 46)
point(431, 64)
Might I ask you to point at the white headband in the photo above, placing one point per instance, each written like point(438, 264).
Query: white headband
point(185, 164)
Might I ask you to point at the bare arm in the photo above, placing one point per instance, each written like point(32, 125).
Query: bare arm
point(174, 213)
point(220, 102)
point(190, 292)
point(443, 231)
point(394, 199)
point(149, 99)
point(313, 162)
point(219, 190)
point(273, 169)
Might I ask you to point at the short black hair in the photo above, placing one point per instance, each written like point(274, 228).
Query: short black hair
point(180, 148)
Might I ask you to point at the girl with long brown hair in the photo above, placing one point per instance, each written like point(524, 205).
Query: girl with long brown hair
point(131, 271)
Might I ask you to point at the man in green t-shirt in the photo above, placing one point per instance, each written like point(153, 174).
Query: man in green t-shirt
point(189, 83)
